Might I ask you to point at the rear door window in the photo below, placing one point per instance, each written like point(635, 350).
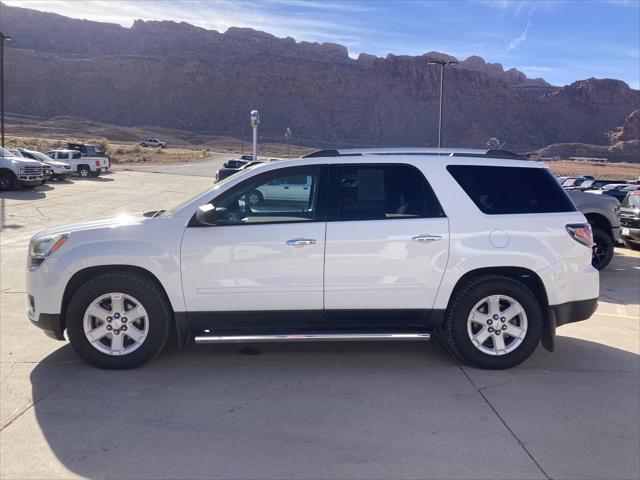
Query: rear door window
point(511, 190)
point(381, 192)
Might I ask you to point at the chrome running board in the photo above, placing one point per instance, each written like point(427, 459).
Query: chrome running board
point(313, 337)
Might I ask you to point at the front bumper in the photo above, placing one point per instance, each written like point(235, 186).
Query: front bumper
point(29, 180)
point(50, 323)
point(629, 233)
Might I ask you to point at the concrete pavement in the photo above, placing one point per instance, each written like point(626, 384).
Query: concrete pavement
point(397, 410)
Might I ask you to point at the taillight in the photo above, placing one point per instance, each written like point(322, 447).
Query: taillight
point(581, 233)
point(97, 163)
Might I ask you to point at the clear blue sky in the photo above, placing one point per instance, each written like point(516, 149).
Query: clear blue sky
point(561, 41)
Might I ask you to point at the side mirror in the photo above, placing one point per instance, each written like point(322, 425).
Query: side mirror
point(207, 215)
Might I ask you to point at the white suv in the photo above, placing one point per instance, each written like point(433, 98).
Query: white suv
point(384, 244)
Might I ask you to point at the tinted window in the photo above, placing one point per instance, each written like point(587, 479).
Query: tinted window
point(76, 155)
point(378, 192)
point(504, 190)
point(289, 196)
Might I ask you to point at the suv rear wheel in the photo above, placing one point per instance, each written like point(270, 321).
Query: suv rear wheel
point(118, 320)
point(493, 322)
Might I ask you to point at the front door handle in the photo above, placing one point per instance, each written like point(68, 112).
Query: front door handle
point(301, 241)
point(426, 238)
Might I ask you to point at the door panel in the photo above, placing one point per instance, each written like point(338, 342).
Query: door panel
point(251, 267)
point(376, 264)
point(265, 255)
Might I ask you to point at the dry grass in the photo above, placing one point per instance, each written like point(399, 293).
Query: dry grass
point(612, 171)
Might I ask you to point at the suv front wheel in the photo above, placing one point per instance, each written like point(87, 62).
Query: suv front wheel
point(118, 320)
point(493, 322)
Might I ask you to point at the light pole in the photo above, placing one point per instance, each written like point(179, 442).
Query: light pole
point(287, 139)
point(255, 121)
point(442, 63)
point(3, 37)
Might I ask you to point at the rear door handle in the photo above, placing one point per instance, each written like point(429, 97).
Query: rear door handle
point(301, 241)
point(426, 238)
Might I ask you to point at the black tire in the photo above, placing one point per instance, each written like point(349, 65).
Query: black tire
point(147, 292)
point(84, 171)
point(8, 181)
point(631, 245)
point(602, 249)
point(254, 197)
point(462, 303)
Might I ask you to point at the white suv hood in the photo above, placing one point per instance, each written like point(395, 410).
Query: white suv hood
point(116, 222)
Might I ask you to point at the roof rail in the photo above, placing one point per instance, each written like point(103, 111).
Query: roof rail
point(452, 152)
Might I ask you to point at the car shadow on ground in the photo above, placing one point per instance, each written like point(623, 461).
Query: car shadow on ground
point(292, 410)
point(36, 193)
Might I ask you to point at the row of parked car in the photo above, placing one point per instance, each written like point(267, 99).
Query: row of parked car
point(627, 194)
point(614, 188)
point(21, 167)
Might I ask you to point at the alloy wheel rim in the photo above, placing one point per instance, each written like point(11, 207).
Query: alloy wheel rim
point(116, 324)
point(497, 325)
point(254, 199)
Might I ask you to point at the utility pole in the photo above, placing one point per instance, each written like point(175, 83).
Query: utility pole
point(287, 139)
point(255, 121)
point(442, 63)
point(3, 37)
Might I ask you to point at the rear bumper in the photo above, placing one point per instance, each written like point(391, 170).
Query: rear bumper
point(569, 312)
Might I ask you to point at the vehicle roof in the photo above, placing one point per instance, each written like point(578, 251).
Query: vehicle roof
point(446, 152)
point(62, 150)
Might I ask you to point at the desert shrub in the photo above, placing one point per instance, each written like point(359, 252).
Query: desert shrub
point(102, 142)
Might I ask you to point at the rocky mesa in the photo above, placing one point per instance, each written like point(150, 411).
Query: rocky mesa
point(179, 76)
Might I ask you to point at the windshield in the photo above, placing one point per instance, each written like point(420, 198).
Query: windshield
point(631, 200)
point(40, 156)
point(177, 208)
point(5, 153)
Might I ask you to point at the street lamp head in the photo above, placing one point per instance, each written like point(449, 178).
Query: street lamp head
point(442, 62)
point(6, 37)
point(255, 118)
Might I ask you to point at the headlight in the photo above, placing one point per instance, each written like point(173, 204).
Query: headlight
point(20, 169)
point(41, 247)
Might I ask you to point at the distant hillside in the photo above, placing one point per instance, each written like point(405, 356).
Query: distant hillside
point(178, 76)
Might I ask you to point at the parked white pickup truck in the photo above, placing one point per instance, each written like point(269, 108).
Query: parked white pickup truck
point(83, 166)
point(152, 142)
point(20, 171)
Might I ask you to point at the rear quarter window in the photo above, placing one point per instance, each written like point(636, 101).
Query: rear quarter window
point(511, 190)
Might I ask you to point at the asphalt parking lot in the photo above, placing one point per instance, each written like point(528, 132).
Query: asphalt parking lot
point(333, 410)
